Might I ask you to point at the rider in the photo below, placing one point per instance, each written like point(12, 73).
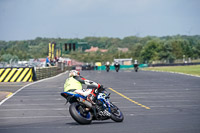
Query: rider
point(74, 83)
point(135, 63)
point(107, 65)
point(117, 65)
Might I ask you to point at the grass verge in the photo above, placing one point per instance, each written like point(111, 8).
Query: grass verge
point(193, 70)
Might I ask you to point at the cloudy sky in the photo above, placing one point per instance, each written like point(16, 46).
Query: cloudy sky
point(28, 19)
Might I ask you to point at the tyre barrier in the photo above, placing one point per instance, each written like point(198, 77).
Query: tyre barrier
point(17, 74)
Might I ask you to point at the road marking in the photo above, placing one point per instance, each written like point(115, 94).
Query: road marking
point(27, 104)
point(9, 94)
point(39, 99)
point(51, 109)
point(34, 117)
point(30, 85)
point(173, 73)
point(9, 85)
point(129, 99)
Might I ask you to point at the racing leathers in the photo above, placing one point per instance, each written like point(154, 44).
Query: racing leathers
point(75, 84)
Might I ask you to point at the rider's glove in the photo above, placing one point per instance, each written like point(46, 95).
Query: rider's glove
point(101, 88)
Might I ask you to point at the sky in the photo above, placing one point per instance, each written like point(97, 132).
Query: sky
point(28, 19)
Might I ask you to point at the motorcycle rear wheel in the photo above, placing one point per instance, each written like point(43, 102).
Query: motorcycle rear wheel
point(79, 117)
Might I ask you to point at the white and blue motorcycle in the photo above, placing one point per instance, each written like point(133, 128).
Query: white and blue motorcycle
point(83, 112)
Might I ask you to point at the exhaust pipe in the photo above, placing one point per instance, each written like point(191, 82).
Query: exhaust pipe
point(88, 104)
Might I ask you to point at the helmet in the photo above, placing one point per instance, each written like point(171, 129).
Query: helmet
point(74, 73)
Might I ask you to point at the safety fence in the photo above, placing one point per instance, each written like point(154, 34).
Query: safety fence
point(17, 74)
point(121, 67)
point(29, 74)
point(46, 72)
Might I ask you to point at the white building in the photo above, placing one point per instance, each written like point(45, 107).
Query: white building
point(127, 61)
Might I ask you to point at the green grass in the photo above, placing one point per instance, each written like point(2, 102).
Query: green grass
point(193, 70)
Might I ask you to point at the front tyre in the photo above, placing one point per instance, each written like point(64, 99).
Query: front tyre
point(116, 115)
point(78, 115)
point(117, 69)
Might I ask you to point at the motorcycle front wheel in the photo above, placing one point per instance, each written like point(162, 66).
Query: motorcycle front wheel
point(117, 70)
point(116, 115)
point(78, 115)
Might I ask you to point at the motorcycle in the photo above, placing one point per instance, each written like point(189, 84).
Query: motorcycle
point(107, 68)
point(136, 68)
point(117, 69)
point(83, 112)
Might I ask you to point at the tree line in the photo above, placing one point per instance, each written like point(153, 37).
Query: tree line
point(145, 49)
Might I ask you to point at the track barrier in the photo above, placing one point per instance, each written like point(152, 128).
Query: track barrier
point(17, 74)
point(42, 73)
point(122, 67)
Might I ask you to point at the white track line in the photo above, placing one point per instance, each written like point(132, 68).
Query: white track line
point(49, 109)
point(29, 85)
point(34, 117)
point(173, 73)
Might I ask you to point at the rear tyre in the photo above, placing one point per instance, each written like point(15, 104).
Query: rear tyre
point(78, 115)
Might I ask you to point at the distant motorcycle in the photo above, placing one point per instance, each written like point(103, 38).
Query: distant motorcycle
point(136, 67)
point(83, 112)
point(107, 68)
point(117, 66)
point(117, 69)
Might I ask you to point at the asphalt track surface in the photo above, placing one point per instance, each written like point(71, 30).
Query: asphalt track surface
point(152, 102)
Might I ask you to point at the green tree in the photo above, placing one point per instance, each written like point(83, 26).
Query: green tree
point(165, 54)
point(150, 52)
point(8, 57)
point(177, 49)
